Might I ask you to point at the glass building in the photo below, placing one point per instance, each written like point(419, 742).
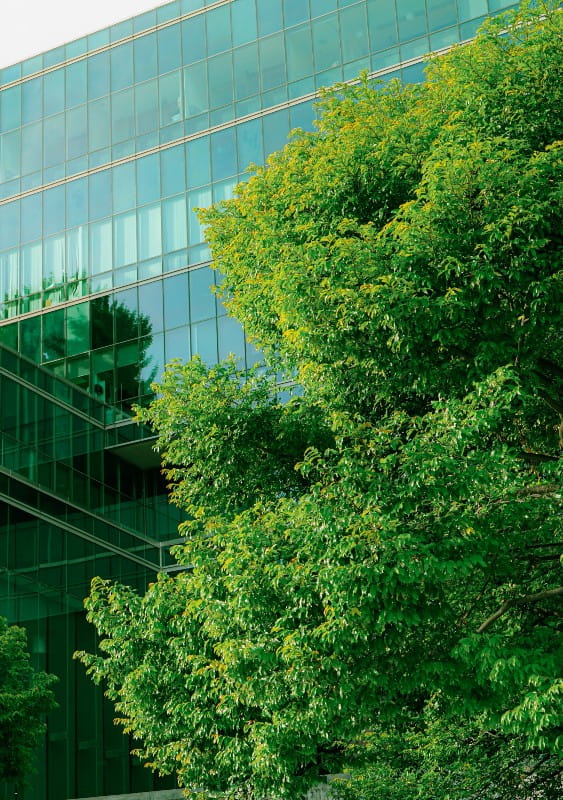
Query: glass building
point(107, 144)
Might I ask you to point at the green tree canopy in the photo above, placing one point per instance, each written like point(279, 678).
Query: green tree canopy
point(371, 567)
point(25, 696)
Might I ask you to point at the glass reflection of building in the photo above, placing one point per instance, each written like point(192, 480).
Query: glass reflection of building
point(106, 146)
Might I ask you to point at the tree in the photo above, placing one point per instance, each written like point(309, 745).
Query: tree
point(372, 565)
point(25, 696)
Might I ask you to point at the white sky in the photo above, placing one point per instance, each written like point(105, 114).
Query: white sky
point(29, 27)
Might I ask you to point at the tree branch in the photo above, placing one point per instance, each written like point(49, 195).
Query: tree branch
point(529, 598)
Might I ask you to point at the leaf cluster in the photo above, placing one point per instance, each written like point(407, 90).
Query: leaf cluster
point(371, 570)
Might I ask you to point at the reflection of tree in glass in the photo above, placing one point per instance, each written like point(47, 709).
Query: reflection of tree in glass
point(120, 338)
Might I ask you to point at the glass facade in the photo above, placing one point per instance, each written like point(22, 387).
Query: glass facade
point(107, 144)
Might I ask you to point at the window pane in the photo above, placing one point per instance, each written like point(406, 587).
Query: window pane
point(76, 138)
point(10, 108)
point(78, 329)
point(326, 42)
point(195, 89)
point(172, 170)
point(98, 75)
point(244, 22)
point(54, 260)
point(146, 107)
point(76, 202)
point(169, 55)
point(125, 239)
point(76, 84)
point(199, 162)
point(32, 100)
point(223, 154)
point(299, 53)
point(174, 223)
point(99, 124)
point(220, 70)
point(32, 141)
point(32, 268)
point(170, 99)
point(54, 92)
point(202, 301)
point(249, 143)
point(150, 242)
point(176, 301)
point(150, 304)
point(218, 30)
point(54, 209)
point(204, 341)
point(124, 187)
point(353, 31)
point(148, 179)
point(246, 71)
point(54, 140)
point(31, 217)
point(100, 194)
point(77, 253)
point(122, 116)
point(272, 62)
point(193, 39)
point(145, 57)
point(100, 246)
point(411, 19)
point(121, 66)
point(382, 24)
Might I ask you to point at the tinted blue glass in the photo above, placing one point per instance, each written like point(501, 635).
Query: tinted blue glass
point(76, 202)
point(54, 92)
point(10, 108)
point(76, 132)
point(122, 119)
point(32, 146)
point(204, 341)
point(193, 39)
point(198, 162)
point(220, 71)
point(32, 100)
point(54, 210)
point(411, 19)
point(149, 232)
point(223, 154)
point(176, 301)
point(177, 343)
point(146, 107)
point(98, 75)
point(148, 179)
point(99, 127)
point(246, 71)
point(353, 30)
point(382, 24)
point(195, 88)
point(302, 116)
point(169, 49)
point(468, 9)
point(9, 224)
point(100, 194)
point(174, 224)
point(202, 301)
point(272, 62)
point(54, 140)
point(145, 57)
point(244, 22)
point(275, 131)
point(173, 170)
point(32, 217)
point(319, 7)
point(295, 11)
point(76, 84)
point(218, 24)
point(299, 51)
point(441, 13)
point(270, 18)
point(249, 143)
point(150, 304)
point(124, 187)
point(231, 338)
point(122, 66)
point(124, 238)
point(326, 45)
